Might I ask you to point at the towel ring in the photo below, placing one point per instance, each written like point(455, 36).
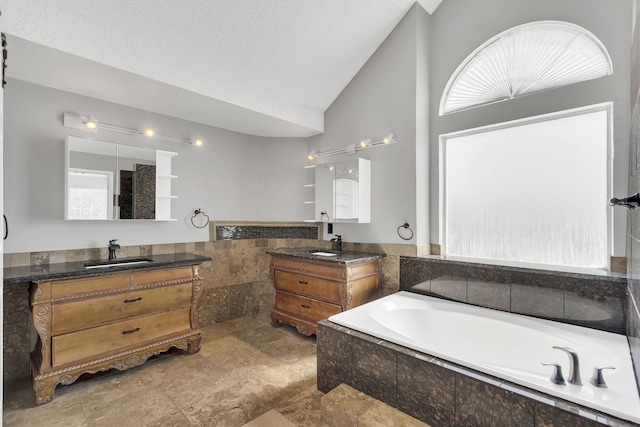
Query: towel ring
point(405, 232)
point(200, 212)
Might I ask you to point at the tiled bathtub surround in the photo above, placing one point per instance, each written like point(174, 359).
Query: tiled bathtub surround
point(580, 299)
point(435, 391)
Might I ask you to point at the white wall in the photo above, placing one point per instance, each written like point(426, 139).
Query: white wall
point(232, 177)
point(610, 21)
point(382, 98)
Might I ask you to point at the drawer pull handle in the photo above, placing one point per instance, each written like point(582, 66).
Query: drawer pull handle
point(303, 282)
point(304, 306)
point(131, 331)
point(132, 300)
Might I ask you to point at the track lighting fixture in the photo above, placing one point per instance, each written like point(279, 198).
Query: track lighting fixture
point(353, 148)
point(91, 124)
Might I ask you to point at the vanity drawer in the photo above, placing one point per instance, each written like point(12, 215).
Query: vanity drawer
point(62, 288)
point(109, 338)
point(305, 307)
point(305, 285)
point(84, 313)
point(163, 275)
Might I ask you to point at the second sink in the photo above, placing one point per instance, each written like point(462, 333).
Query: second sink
point(116, 262)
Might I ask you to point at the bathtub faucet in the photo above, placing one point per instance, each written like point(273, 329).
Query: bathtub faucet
point(574, 365)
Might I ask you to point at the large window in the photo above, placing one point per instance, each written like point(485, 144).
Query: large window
point(530, 191)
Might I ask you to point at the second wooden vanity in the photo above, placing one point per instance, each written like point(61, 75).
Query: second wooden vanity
point(310, 288)
point(116, 318)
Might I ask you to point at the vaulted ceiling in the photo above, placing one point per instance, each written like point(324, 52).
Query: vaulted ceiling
point(261, 67)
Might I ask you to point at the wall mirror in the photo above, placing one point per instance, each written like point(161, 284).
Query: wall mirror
point(106, 181)
point(343, 191)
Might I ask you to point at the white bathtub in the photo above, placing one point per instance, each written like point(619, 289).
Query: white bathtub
point(505, 345)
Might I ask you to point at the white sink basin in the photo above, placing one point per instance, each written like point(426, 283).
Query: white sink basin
point(323, 253)
point(116, 263)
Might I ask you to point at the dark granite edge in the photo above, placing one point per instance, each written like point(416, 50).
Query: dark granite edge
point(342, 257)
point(12, 275)
point(604, 276)
point(535, 395)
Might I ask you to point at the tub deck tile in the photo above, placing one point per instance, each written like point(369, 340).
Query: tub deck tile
point(420, 382)
point(334, 357)
point(374, 370)
point(480, 404)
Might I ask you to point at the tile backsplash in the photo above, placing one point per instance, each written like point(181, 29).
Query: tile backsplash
point(581, 299)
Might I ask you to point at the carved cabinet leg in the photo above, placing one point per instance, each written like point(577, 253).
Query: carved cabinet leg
point(276, 322)
point(44, 389)
point(194, 345)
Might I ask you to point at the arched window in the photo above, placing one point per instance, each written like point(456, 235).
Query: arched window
point(525, 59)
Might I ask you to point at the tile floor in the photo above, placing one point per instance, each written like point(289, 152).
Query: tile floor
point(245, 372)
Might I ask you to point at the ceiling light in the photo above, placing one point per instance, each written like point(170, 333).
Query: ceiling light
point(148, 132)
point(365, 142)
point(91, 123)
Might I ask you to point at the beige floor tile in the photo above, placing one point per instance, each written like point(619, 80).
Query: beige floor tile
point(228, 407)
point(174, 420)
point(213, 333)
point(270, 419)
point(304, 411)
point(130, 409)
point(240, 324)
point(59, 412)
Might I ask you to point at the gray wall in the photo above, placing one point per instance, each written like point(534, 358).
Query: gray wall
point(232, 177)
point(609, 20)
point(385, 96)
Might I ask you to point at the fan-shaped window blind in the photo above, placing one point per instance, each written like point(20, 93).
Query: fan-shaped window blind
point(526, 59)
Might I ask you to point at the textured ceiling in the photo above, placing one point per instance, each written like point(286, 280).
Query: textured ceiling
point(263, 67)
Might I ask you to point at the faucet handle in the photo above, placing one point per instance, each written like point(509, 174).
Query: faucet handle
point(556, 377)
point(113, 241)
point(597, 379)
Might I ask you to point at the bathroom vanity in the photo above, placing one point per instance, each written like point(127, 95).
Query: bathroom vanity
point(93, 319)
point(311, 287)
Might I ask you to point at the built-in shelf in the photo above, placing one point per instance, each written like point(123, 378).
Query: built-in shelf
point(309, 203)
point(163, 185)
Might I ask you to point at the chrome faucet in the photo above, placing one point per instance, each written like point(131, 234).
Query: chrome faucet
point(574, 365)
point(112, 249)
point(338, 240)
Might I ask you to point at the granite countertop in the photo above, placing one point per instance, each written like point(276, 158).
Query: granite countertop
point(65, 270)
point(340, 257)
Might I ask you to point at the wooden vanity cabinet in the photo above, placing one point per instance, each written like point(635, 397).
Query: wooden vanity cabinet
point(308, 291)
point(115, 320)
